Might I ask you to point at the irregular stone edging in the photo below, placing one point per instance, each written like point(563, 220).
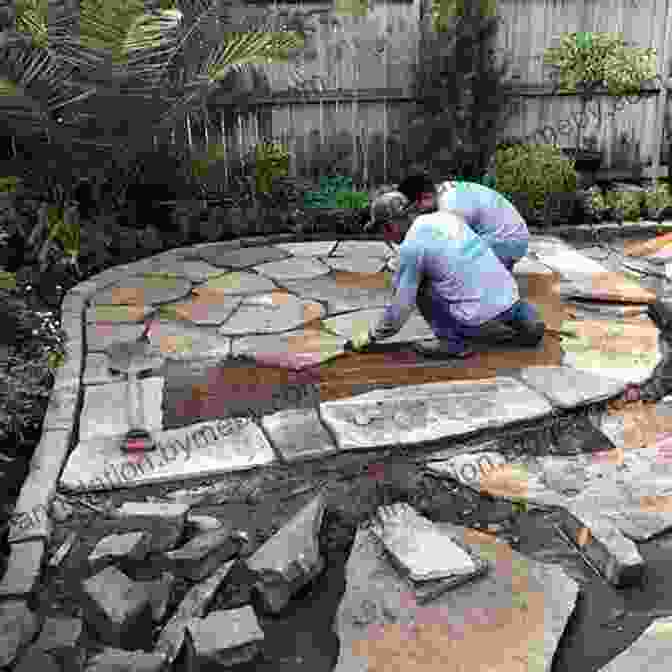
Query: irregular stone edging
point(39, 489)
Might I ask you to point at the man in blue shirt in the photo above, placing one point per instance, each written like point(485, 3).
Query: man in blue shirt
point(452, 276)
point(487, 212)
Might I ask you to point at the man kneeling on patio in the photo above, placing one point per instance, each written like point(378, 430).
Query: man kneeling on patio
point(486, 211)
point(457, 282)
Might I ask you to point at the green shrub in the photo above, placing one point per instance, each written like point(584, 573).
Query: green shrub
point(656, 199)
point(530, 174)
point(625, 204)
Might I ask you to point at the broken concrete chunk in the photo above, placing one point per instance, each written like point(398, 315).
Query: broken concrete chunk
point(194, 605)
point(200, 556)
point(118, 660)
point(204, 523)
point(615, 556)
point(17, 627)
point(165, 510)
point(165, 521)
point(159, 595)
point(117, 608)
point(23, 568)
point(290, 558)
point(417, 545)
point(131, 546)
point(35, 659)
point(651, 651)
point(226, 637)
point(59, 632)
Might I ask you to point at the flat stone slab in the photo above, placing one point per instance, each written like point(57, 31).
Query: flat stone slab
point(227, 637)
point(271, 313)
point(244, 257)
point(569, 261)
point(18, 625)
point(101, 335)
point(234, 284)
point(104, 412)
point(420, 413)
point(362, 248)
point(97, 371)
point(291, 558)
point(567, 387)
point(23, 568)
point(182, 341)
point(644, 265)
point(512, 618)
point(316, 248)
point(215, 447)
point(204, 310)
point(133, 545)
point(651, 651)
point(120, 660)
point(415, 329)
point(297, 433)
point(193, 270)
point(296, 350)
point(145, 290)
point(527, 266)
point(615, 556)
point(339, 296)
point(662, 256)
point(118, 313)
point(606, 287)
point(617, 349)
point(647, 247)
point(293, 269)
point(589, 309)
point(423, 551)
point(358, 264)
point(59, 632)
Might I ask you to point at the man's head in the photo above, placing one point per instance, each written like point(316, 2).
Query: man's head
point(420, 190)
point(392, 211)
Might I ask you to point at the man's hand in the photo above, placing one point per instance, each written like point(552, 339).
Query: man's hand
point(360, 340)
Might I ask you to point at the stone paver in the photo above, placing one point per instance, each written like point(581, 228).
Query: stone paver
point(37, 660)
point(605, 287)
point(97, 370)
point(59, 633)
point(568, 261)
point(359, 264)
point(317, 248)
point(116, 606)
point(566, 387)
point(290, 558)
point(419, 547)
point(159, 595)
point(235, 284)
point(512, 618)
point(118, 313)
point(416, 329)
point(338, 296)
point(271, 313)
point(527, 266)
point(298, 434)
point(133, 546)
point(120, 660)
point(193, 270)
point(183, 341)
point(145, 290)
point(295, 349)
point(362, 248)
point(100, 335)
point(210, 448)
point(194, 605)
point(651, 651)
point(429, 412)
point(105, 408)
point(293, 269)
point(204, 310)
point(18, 625)
point(245, 257)
point(23, 568)
point(227, 637)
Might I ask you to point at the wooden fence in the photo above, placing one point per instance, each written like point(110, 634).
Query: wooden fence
point(362, 86)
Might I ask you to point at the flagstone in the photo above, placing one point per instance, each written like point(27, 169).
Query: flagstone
point(234, 284)
point(295, 349)
point(316, 248)
point(298, 433)
point(195, 270)
point(567, 387)
point(118, 313)
point(357, 264)
point(362, 248)
point(415, 329)
point(595, 310)
point(104, 412)
point(271, 313)
point(203, 449)
point(647, 247)
point(144, 290)
point(338, 295)
point(661, 256)
point(644, 265)
point(528, 266)
point(182, 341)
point(606, 287)
point(204, 310)
point(293, 269)
point(97, 371)
point(243, 257)
point(651, 651)
point(100, 335)
point(419, 413)
point(511, 618)
point(569, 261)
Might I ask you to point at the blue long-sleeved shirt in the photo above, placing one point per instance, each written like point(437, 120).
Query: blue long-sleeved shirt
point(462, 269)
point(488, 213)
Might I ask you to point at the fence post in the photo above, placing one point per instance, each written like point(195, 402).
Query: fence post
point(661, 106)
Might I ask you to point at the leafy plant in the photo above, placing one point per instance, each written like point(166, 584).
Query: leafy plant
point(271, 161)
point(529, 174)
point(627, 204)
point(656, 199)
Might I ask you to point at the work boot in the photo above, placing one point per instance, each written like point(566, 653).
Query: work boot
point(528, 334)
point(441, 349)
